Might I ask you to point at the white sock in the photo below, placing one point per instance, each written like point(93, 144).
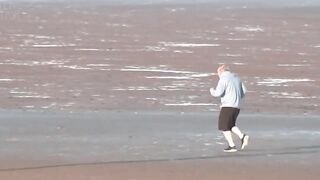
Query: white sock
point(237, 131)
point(228, 136)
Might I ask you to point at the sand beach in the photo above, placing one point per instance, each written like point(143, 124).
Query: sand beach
point(151, 145)
point(121, 92)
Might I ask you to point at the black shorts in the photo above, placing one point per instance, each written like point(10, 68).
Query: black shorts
point(227, 118)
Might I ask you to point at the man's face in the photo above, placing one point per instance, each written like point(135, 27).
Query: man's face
point(220, 71)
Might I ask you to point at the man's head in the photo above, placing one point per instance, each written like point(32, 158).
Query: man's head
point(222, 69)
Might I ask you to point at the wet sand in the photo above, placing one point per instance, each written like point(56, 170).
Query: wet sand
point(203, 169)
point(151, 145)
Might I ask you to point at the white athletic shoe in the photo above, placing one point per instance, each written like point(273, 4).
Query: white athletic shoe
point(244, 141)
point(230, 149)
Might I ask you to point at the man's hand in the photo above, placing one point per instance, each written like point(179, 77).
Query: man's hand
point(212, 91)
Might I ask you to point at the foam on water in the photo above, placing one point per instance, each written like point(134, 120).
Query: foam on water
point(230, 55)
point(203, 74)
point(20, 92)
point(89, 49)
point(275, 50)
point(42, 37)
point(183, 51)
point(131, 88)
point(153, 69)
point(170, 88)
point(11, 80)
point(164, 69)
point(31, 96)
point(175, 9)
point(293, 95)
point(189, 76)
point(117, 25)
point(293, 65)
point(98, 65)
point(74, 67)
point(189, 104)
point(156, 48)
point(281, 82)
point(302, 54)
point(167, 77)
point(238, 39)
point(6, 48)
point(238, 63)
point(34, 36)
point(174, 44)
point(249, 28)
point(152, 99)
point(52, 45)
point(69, 104)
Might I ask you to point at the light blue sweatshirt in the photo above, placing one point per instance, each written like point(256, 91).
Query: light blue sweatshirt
point(231, 90)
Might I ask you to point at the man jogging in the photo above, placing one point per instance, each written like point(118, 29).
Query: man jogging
point(231, 90)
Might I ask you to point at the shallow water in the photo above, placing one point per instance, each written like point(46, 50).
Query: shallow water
point(67, 57)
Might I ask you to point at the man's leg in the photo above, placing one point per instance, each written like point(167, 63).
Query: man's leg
point(244, 138)
point(237, 131)
point(232, 146)
point(225, 125)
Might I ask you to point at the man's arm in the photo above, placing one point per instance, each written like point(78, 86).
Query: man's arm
point(219, 91)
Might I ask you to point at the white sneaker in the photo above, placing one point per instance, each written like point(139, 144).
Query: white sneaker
point(230, 149)
point(244, 141)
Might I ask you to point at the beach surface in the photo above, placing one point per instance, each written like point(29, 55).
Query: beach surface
point(153, 145)
point(99, 91)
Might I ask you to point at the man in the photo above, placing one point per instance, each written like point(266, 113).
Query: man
point(231, 90)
